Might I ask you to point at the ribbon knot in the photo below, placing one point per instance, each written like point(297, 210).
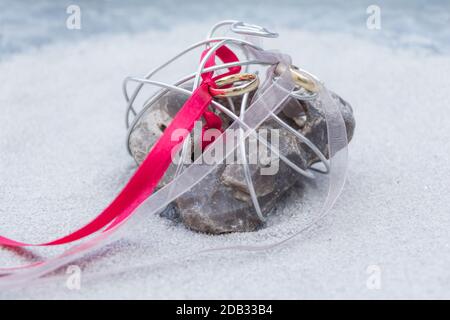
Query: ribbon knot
point(213, 121)
point(210, 82)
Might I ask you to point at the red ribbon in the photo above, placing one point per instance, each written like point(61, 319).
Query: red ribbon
point(150, 172)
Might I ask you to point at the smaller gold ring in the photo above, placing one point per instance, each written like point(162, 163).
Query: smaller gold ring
point(252, 82)
point(299, 78)
point(303, 80)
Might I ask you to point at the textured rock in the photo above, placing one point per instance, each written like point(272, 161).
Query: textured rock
point(147, 131)
point(221, 202)
point(315, 127)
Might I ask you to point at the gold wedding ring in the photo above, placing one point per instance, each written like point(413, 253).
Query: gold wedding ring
point(251, 82)
point(300, 79)
point(303, 80)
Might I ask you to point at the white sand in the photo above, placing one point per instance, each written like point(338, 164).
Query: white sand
point(63, 159)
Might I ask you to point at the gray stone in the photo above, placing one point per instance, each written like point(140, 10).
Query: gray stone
point(221, 202)
point(315, 127)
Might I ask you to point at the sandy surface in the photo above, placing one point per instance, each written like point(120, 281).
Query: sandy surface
point(63, 159)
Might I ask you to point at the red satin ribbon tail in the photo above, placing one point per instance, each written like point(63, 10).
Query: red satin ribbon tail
point(147, 176)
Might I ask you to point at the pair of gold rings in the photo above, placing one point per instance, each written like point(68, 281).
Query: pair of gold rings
point(251, 82)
